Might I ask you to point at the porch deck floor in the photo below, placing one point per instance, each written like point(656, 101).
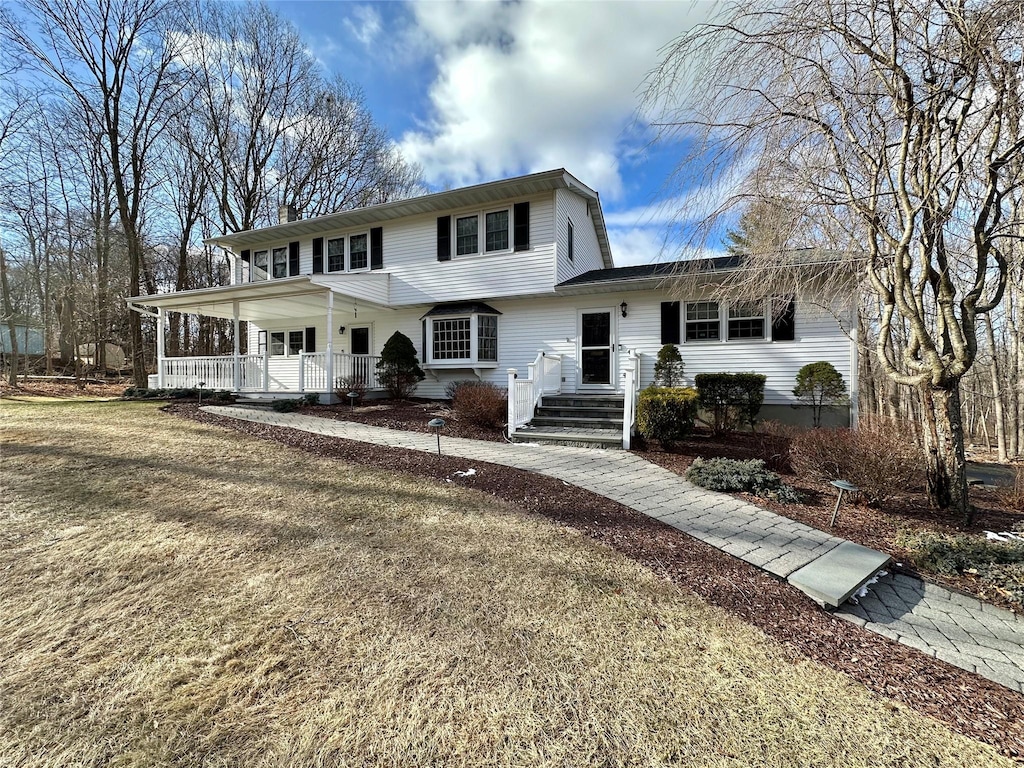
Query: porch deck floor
point(951, 627)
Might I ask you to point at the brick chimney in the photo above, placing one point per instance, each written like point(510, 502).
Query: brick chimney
point(286, 213)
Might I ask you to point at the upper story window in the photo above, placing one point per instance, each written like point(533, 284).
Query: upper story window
point(259, 266)
point(280, 262)
point(466, 235)
point(461, 335)
point(357, 256)
point(503, 230)
point(336, 254)
point(357, 252)
point(496, 238)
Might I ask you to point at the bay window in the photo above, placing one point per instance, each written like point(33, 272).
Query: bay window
point(461, 335)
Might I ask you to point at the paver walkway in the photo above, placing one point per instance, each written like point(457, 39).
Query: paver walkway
point(952, 627)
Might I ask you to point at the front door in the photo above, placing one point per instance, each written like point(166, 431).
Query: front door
point(596, 358)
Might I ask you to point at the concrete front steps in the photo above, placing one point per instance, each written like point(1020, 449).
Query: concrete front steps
point(593, 421)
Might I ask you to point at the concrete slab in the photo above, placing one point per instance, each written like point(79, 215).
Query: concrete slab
point(833, 577)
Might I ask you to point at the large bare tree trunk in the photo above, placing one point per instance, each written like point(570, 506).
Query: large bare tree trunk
point(945, 459)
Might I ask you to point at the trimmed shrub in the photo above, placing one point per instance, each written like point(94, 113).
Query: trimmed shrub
point(285, 406)
point(877, 457)
point(310, 398)
point(731, 399)
point(666, 413)
point(480, 403)
point(821, 386)
point(668, 370)
point(734, 476)
point(399, 368)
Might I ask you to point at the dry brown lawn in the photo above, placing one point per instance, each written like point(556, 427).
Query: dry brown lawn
point(173, 594)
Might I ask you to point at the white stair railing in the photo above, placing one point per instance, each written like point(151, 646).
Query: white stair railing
point(630, 396)
point(543, 377)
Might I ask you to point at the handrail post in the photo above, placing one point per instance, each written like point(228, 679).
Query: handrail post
point(629, 403)
point(302, 371)
point(512, 373)
point(266, 370)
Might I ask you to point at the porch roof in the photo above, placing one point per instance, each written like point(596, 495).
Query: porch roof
point(281, 299)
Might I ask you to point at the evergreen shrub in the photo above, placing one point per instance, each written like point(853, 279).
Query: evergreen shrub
point(732, 399)
point(666, 413)
point(399, 369)
point(735, 476)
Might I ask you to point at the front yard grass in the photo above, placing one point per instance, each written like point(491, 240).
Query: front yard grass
point(174, 594)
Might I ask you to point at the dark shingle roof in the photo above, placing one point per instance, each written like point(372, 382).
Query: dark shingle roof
point(651, 271)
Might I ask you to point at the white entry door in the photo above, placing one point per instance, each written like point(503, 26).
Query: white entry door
point(596, 350)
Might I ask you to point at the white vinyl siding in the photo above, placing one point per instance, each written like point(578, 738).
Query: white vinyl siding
point(586, 253)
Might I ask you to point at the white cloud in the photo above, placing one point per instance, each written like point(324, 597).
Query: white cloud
point(524, 87)
point(365, 25)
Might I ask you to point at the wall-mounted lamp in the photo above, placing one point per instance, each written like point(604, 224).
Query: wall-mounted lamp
point(341, 330)
point(623, 307)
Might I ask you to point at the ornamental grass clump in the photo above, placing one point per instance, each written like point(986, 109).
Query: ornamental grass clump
point(735, 476)
point(666, 413)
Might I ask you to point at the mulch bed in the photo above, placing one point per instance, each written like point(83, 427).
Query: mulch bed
point(969, 704)
point(409, 415)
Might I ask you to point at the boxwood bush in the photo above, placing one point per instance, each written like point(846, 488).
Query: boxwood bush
point(734, 476)
point(666, 413)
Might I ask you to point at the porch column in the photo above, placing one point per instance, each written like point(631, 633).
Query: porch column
point(237, 367)
point(330, 345)
point(161, 316)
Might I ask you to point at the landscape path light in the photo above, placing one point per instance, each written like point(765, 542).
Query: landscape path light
point(436, 425)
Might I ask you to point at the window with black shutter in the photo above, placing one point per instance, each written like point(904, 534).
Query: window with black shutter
point(377, 248)
point(318, 255)
point(293, 259)
point(670, 322)
point(521, 227)
point(246, 257)
point(444, 238)
point(783, 320)
point(310, 340)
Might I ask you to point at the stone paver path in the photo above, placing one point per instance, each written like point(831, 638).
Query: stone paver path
point(949, 626)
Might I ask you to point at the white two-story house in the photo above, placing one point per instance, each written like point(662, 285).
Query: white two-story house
point(513, 274)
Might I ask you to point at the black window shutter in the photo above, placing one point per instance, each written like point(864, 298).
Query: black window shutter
point(521, 227)
point(444, 238)
point(377, 248)
point(423, 323)
point(310, 340)
point(318, 255)
point(293, 258)
point(670, 322)
point(784, 322)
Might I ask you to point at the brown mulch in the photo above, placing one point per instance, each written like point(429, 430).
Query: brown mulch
point(965, 702)
point(410, 415)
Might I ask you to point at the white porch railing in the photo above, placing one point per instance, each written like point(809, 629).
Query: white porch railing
point(630, 395)
point(543, 377)
point(306, 372)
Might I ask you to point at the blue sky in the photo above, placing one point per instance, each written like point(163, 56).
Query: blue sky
point(476, 91)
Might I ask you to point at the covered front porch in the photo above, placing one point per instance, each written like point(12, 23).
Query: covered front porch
point(291, 362)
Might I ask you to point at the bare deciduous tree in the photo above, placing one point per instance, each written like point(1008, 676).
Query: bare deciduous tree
point(894, 128)
point(113, 60)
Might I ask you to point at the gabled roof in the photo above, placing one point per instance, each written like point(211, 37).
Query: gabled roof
point(478, 194)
